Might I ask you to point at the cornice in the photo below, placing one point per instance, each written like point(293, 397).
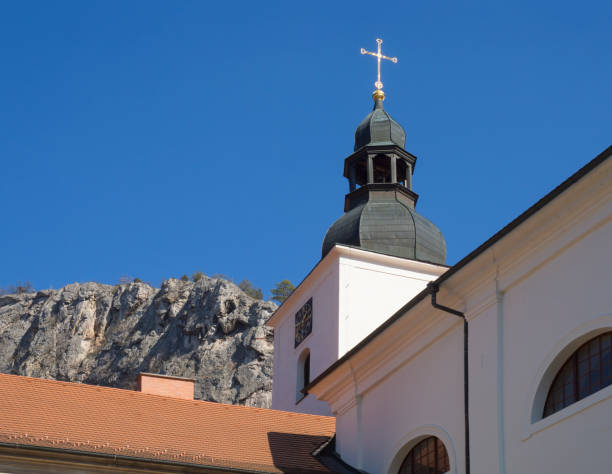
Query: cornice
point(344, 406)
point(368, 256)
point(489, 300)
point(364, 194)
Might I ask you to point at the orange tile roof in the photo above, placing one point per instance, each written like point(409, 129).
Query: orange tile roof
point(92, 419)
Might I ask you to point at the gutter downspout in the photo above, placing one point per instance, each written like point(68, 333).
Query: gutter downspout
point(433, 290)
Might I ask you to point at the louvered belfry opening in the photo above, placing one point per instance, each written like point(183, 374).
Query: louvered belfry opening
point(381, 168)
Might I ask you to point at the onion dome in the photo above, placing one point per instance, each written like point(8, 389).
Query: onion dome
point(387, 223)
point(378, 128)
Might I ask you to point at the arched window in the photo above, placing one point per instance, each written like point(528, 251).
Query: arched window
point(306, 370)
point(586, 371)
point(427, 457)
point(303, 373)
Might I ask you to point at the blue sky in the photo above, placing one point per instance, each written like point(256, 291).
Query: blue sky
point(154, 139)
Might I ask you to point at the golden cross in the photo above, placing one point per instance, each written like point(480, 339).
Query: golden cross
point(379, 55)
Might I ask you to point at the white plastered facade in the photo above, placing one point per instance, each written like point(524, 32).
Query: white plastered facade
point(353, 291)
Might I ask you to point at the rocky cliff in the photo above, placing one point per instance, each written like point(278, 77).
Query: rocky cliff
point(105, 335)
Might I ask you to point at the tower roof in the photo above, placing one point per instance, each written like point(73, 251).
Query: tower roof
point(380, 210)
point(378, 128)
point(385, 221)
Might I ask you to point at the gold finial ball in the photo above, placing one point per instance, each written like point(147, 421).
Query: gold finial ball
point(378, 94)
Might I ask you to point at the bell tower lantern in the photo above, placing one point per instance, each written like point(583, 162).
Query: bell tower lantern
point(379, 155)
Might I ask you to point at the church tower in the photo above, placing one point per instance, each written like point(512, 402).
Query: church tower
point(375, 258)
point(380, 210)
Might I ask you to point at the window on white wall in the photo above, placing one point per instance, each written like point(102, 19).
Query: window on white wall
point(303, 373)
point(303, 322)
point(586, 371)
point(427, 457)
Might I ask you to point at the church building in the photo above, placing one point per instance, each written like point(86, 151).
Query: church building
point(386, 360)
point(498, 364)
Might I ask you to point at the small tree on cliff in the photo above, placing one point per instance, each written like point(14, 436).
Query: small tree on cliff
point(197, 276)
point(249, 289)
point(282, 290)
point(19, 288)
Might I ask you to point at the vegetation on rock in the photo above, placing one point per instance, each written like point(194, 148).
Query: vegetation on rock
point(249, 289)
point(281, 291)
point(18, 289)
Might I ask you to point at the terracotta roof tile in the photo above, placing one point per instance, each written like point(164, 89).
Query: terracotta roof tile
point(49, 413)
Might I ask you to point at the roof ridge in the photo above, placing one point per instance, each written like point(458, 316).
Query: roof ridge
point(135, 393)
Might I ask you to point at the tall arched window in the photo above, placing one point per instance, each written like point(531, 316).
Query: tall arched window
point(586, 371)
point(306, 370)
point(303, 373)
point(427, 457)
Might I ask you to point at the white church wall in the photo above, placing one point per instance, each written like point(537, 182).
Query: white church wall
point(373, 287)
point(426, 392)
point(543, 282)
point(423, 396)
point(542, 312)
point(553, 284)
point(322, 343)
point(483, 387)
point(353, 291)
point(348, 422)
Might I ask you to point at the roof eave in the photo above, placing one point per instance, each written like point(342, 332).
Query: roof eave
point(67, 455)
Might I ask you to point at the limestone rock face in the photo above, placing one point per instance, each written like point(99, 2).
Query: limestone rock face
point(105, 335)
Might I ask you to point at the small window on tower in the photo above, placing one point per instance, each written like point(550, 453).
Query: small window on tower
point(303, 322)
point(307, 370)
point(303, 374)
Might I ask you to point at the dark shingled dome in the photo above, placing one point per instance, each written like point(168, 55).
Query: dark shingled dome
point(378, 128)
point(390, 227)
